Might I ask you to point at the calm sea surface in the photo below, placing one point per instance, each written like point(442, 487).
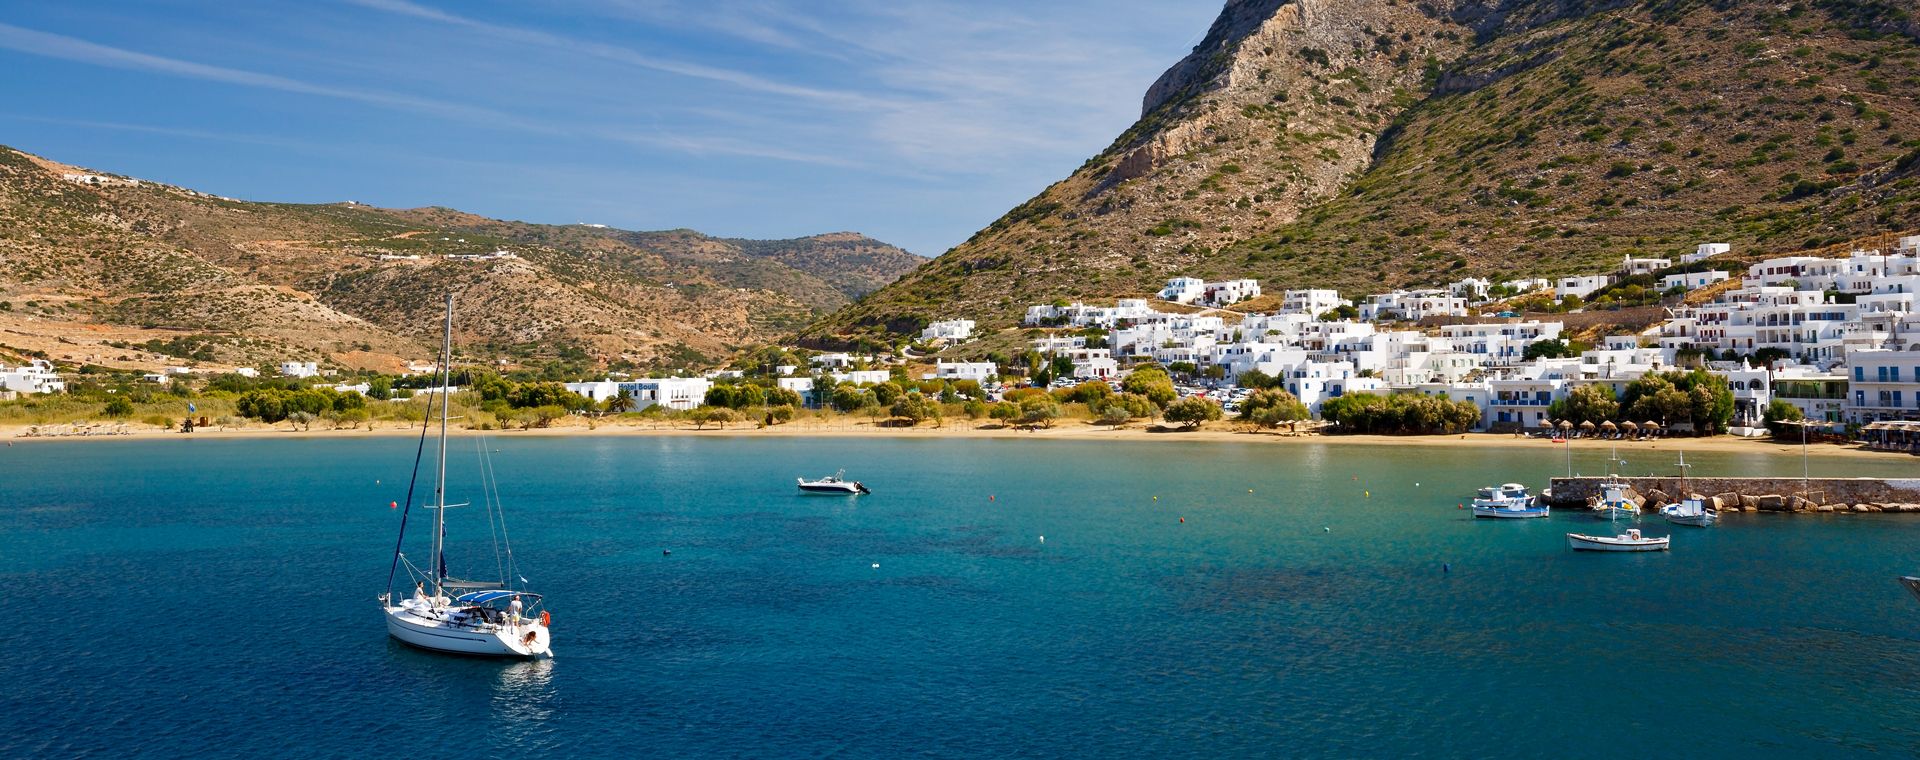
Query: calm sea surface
point(217, 598)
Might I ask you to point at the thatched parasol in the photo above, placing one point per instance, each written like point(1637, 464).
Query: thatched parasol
point(1588, 425)
point(1608, 425)
point(1630, 425)
point(1565, 425)
point(1650, 425)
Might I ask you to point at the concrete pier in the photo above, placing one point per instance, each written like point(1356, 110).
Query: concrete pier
point(1759, 494)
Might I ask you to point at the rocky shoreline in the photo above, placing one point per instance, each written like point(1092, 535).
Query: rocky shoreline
point(1787, 495)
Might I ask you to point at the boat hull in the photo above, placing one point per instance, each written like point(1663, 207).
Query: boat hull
point(1912, 583)
point(1586, 543)
point(1697, 521)
point(526, 640)
point(837, 489)
point(1510, 513)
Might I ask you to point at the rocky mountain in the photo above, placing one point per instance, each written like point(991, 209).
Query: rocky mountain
point(1366, 144)
point(110, 270)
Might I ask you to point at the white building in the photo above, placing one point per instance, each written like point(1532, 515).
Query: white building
point(1312, 303)
point(299, 369)
point(36, 376)
point(671, 392)
point(863, 376)
point(1630, 266)
point(1692, 280)
point(246, 371)
point(1705, 251)
point(1193, 290)
point(1581, 285)
point(1885, 385)
point(952, 330)
point(1412, 306)
point(976, 371)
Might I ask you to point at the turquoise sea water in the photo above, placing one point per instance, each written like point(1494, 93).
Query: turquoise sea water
point(216, 597)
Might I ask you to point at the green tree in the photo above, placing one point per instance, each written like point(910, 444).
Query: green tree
point(783, 397)
point(1039, 411)
point(1779, 417)
point(967, 388)
point(1004, 411)
point(887, 393)
point(1549, 348)
point(915, 408)
point(118, 406)
point(848, 398)
point(1272, 408)
point(380, 388)
point(1153, 383)
point(1593, 401)
point(719, 395)
point(1254, 379)
point(1193, 411)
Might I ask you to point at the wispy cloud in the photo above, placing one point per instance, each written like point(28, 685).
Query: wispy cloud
point(74, 49)
point(625, 55)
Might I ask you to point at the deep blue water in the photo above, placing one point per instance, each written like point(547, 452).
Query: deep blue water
point(216, 597)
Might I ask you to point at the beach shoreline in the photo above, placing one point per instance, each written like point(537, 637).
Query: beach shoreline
point(1068, 430)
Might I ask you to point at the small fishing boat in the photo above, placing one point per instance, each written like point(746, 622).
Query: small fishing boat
point(1630, 541)
point(833, 485)
point(1613, 503)
point(1510, 500)
point(1692, 509)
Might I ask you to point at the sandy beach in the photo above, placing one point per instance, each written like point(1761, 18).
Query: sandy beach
point(1066, 430)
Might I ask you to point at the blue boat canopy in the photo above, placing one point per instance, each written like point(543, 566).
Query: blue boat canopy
point(491, 595)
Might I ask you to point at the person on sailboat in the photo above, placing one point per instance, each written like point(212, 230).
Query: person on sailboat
point(513, 610)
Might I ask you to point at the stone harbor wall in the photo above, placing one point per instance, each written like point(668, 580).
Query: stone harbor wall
point(1758, 494)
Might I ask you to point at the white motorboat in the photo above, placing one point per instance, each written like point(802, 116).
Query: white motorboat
point(1912, 583)
point(1510, 500)
point(445, 614)
point(833, 485)
point(1630, 541)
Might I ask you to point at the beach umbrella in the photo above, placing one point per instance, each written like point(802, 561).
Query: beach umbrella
point(1588, 425)
point(1650, 424)
point(1608, 425)
point(1630, 425)
point(1565, 425)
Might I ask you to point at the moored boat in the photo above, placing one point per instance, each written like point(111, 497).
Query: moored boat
point(833, 485)
point(486, 618)
point(1510, 500)
point(1692, 508)
point(1912, 583)
point(1630, 541)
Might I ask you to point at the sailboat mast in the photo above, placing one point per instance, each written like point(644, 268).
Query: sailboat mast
point(440, 485)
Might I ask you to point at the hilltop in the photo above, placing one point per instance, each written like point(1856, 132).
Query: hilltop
point(1366, 145)
point(105, 269)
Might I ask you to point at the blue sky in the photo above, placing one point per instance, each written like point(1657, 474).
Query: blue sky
point(915, 122)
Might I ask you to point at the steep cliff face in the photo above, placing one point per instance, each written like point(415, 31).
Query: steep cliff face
point(1359, 144)
point(1277, 109)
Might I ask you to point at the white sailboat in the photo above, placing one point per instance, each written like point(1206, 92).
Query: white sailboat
point(446, 614)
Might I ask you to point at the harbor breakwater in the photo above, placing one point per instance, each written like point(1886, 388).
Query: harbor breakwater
point(1757, 494)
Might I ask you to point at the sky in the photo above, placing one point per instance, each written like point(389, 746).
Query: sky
point(915, 121)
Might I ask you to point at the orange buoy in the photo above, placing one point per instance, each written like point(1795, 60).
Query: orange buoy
point(393, 505)
point(546, 618)
point(1183, 521)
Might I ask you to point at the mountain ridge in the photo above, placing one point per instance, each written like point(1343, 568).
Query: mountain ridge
point(94, 258)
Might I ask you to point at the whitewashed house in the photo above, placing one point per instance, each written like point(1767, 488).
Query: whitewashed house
point(36, 376)
point(952, 330)
point(299, 369)
point(1312, 302)
point(976, 371)
point(1692, 280)
point(1705, 251)
point(1581, 285)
